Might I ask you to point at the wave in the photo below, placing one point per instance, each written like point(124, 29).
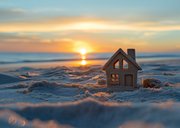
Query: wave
point(36, 58)
point(52, 60)
point(158, 56)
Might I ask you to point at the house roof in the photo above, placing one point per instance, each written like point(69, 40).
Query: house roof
point(120, 51)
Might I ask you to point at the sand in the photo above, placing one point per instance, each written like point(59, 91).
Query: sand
point(77, 97)
point(6, 79)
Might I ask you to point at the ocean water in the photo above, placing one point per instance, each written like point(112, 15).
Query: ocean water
point(13, 58)
point(46, 60)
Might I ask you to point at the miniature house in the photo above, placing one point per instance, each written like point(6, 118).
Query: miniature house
point(121, 70)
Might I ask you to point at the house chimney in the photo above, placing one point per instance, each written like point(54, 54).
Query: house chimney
point(132, 53)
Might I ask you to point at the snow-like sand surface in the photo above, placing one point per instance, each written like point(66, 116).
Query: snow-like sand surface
point(77, 97)
point(4, 78)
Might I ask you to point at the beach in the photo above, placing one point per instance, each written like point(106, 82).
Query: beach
point(89, 64)
point(65, 94)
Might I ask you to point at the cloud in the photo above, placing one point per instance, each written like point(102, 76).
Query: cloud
point(41, 42)
point(78, 24)
point(131, 42)
point(28, 42)
point(149, 34)
point(42, 20)
point(8, 14)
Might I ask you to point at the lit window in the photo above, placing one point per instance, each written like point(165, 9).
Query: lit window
point(114, 77)
point(116, 65)
point(125, 64)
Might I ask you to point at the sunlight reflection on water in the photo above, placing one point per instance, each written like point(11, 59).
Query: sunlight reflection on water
point(83, 60)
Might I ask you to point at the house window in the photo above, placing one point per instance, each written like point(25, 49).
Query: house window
point(116, 65)
point(114, 77)
point(125, 64)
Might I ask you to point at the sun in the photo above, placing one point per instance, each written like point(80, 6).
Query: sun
point(83, 51)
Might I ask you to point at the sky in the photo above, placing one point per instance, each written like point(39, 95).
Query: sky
point(96, 25)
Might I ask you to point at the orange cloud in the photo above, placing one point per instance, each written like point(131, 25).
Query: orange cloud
point(86, 24)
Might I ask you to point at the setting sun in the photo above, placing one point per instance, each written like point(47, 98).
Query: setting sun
point(83, 51)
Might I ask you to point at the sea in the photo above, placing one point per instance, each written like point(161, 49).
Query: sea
point(14, 59)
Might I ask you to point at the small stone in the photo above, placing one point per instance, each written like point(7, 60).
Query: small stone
point(168, 74)
point(101, 82)
point(152, 83)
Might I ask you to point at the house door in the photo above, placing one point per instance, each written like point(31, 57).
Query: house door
point(129, 80)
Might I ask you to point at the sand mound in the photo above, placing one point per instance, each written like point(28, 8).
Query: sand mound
point(9, 79)
point(53, 88)
point(91, 113)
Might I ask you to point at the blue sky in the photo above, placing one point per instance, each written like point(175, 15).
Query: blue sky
point(66, 25)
